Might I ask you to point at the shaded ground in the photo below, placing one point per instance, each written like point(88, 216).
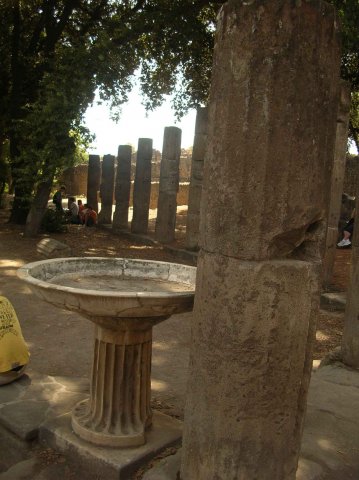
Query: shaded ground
point(16, 250)
point(61, 342)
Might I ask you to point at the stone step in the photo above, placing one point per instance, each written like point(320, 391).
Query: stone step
point(46, 465)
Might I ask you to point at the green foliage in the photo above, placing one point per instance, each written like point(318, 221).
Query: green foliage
point(354, 120)
point(348, 11)
point(53, 221)
point(54, 55)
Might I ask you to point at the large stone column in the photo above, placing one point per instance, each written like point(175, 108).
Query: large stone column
point(169, 183)
point(122, 187)
point(350, 343)
point(93, 180)
point(106, 189)
point(142, 186)
point(336, 190)
point(195, 188)
point(272, 110)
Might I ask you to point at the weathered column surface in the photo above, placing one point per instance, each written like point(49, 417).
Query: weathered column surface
point(195, 187)
point(336, 190)
point(93, 180)
point(350, 343)
point(169, 183)
point(142, 186)
point(106, 189)
point(272, 110)
point(122, 187)
point(119, 410)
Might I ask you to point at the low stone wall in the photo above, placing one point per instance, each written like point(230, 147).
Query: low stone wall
point(75, 178)
point(182, 195)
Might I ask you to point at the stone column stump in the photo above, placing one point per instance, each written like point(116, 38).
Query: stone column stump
point(93, 181)
point(106, 189)
point(142, 187)
point(122, 188)
point(350, 343)
point(169, 183)
point(195, 187)
point(336, 190)
point(272, 111)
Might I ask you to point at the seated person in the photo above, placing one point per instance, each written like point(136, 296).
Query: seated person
point(14, 354)
point(90, 217)
point(74, 211)
point(347, 233)
point(82, 213)
point(81, 207)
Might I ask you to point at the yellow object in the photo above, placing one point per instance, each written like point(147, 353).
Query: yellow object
point(13, 349)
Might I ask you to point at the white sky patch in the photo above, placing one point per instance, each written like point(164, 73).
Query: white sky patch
point(134, 123)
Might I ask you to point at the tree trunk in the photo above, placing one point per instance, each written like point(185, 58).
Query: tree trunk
point(20, 206)
point(23, 180)
point(38, 208)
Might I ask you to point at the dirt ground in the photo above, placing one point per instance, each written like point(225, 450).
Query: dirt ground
point(17, 250)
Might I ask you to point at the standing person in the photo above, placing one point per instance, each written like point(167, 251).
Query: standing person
point(14, 354)
point(57, 199)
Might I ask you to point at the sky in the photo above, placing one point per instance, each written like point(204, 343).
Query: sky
point(134, 123)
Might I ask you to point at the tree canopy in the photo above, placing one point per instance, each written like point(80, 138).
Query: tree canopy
point(348, 11)
point(55, 54)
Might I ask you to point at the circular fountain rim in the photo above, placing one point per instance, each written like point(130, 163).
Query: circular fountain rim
point(24, 274)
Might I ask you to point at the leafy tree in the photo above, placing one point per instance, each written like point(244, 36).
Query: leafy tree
point(65, 49)
point(348, 11)
point(354, 120)
point(55, 53)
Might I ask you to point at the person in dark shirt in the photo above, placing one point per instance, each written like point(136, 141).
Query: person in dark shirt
point(57, 198)
point(347, 233)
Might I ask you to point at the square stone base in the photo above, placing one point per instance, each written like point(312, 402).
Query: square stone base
point(110, 463)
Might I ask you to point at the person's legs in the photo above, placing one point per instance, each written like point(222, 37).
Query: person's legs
point(345, 242)
point(12, 375)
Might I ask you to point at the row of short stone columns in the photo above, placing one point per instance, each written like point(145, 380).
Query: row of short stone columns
point(106, 183)
point(169, 180)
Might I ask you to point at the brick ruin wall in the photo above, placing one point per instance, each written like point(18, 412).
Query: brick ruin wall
point(75, 179)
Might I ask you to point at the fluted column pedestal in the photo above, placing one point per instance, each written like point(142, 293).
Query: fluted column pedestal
point(118, 410)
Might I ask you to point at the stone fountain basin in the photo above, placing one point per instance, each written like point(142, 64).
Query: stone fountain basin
point(107, 290)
